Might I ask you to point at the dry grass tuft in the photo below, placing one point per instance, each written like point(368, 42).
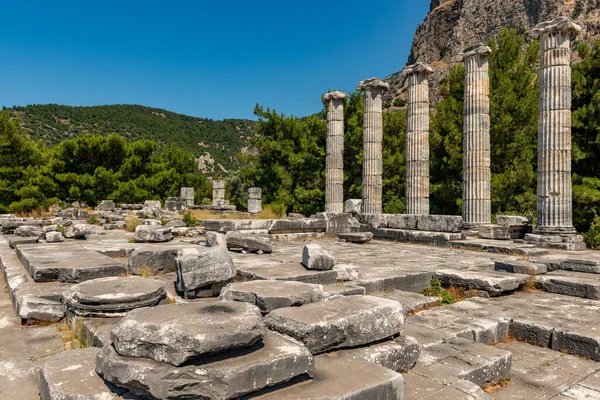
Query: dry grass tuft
point(530, 285)
point(35, 213)
point(131, 222)
point(266, 213)
point(494, 387)
point(145, 272)
point(460, 293)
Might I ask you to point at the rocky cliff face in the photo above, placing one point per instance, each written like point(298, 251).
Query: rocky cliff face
point(454, 24)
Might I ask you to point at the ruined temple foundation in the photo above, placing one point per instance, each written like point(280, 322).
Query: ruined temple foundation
point(372, 141)
point(417, 139)
point(476, 137)
point(254, 200)
point(334, 173)
point(554, 189)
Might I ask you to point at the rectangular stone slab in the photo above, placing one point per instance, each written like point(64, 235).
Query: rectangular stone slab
point(337, 379)
point(228, 375)
point(341, 322)
point(65, 262)
point(288, 271)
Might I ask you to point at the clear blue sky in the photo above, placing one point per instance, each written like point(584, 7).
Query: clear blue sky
point(213, 59)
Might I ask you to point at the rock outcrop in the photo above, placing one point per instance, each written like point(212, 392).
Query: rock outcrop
point(452, 25)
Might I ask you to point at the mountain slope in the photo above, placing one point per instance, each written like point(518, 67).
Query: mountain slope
point(452, 25)
point(216, 143)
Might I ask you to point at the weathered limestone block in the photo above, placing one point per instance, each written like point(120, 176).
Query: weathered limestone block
point(353, 206)
point(176, 334)
point(200, 268)
point(521, 267)
point(79, 231)
point(339, 322)
point(187, 193)
point(71, 376)
point(54, 237)
point(336, 379)
point(153, 204)
point(417, 139)
point(106, 205)
point(273, 360)
point(511, 220)
point(496, 232)
point(158, 261)
point(254, 200)
point(269, 296)
point(253, 243)
point(440, 223)
point(372, 141)
point(492, 282)
point(334, 162)
point(399, 354)
point(28, 231)
point(554, 189)
point(476, 138)
point(33, 309)
point(153, 233)
point(214, 239)
point(359, 237)
point(346, 272)
point(315, 257)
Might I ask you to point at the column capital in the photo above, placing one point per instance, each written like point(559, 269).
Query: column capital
point(337, 95)
point(474, 50)
point(372, 83)
point(562, 24)
point(417, 68)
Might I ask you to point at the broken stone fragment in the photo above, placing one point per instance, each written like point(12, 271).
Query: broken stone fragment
point(79, 231)
point(152, 261)
point(214, 239)
point(360, 237)
point(269, 296)
point(340, 322)
point(153, 233)
point(176, 224)
point(34, 309)
point(199, 268)
point(54, 237)
point(28, 231)
point(253, 243)
point(176, 334)
point(315, 257)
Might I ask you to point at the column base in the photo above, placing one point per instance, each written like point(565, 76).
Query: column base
point(560, 241)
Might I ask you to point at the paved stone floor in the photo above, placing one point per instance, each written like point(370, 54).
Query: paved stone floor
point(554, 324)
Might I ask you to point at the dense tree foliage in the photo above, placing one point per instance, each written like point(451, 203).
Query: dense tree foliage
point(88, 169)
point(223, 140)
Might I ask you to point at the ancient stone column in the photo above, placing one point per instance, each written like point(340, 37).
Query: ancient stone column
point(417, 139)
point(477, 175)
point(187, 193)
point(554, 191)
point(254, 200)
point(218, 192)
point(372, 138)
point(334, 163)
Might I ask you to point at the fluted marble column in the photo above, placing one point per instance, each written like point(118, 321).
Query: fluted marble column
point(334, 163)
point(477, 175)
point(554, 190)
point(372, 139)
point(417, 139)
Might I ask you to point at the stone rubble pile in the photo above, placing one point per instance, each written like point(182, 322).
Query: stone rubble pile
point(202, 350)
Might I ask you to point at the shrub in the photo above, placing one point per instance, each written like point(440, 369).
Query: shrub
point(275, 208)
point(93, 220)
point(436, 290)
point(189, 219)
point(592, 236)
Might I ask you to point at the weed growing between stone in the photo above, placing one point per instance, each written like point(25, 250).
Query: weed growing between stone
point(494, 387)
point(436, 290)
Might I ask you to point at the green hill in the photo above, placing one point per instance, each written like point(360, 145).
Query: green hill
point(222, 140)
